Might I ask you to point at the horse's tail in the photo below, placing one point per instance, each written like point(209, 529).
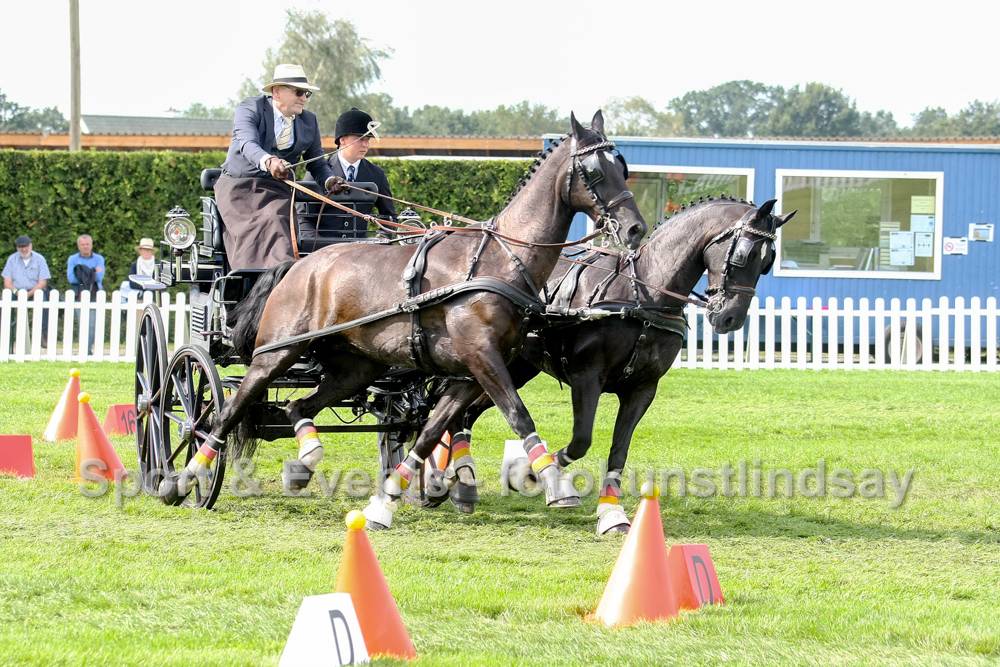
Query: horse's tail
point(248, 311)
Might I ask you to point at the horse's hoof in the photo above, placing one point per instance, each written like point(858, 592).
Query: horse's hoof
point(565, 503)
point(430, 502)
point(375, 525)
point(466, 494)
point(464, 508)
point(620, 529)
point(295, 476)
point(170, 490)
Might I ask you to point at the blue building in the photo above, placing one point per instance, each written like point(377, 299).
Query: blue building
point(875, 219)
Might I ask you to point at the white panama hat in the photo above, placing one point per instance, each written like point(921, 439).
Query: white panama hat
point(289, 75)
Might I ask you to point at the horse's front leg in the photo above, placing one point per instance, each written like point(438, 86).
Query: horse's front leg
point(633, 404)
point(453, 402)
point(488, 367)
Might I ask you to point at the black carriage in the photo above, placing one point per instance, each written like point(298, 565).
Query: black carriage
point(178, 399)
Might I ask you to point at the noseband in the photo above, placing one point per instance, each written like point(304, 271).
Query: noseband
point(591, 173)
point(737, 255)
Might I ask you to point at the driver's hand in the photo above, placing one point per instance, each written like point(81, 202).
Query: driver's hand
point(336, 185)
point(279, 168)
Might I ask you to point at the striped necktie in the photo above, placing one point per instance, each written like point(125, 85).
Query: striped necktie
point(285, 136)
point(350, 173)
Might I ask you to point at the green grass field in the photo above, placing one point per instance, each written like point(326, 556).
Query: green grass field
point(806, 580)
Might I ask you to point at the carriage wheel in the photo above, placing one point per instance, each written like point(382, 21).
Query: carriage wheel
point(150, 366)
point(191, 400)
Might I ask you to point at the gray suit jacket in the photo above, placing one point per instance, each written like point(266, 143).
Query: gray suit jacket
point(253, 138)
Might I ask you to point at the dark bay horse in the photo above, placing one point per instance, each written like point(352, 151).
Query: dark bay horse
point(627, 355)
point(472, 333)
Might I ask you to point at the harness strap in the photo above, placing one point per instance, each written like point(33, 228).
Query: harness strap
point(413, 274)
point(524, 300)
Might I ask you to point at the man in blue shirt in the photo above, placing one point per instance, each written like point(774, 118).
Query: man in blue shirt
point(92, 279)
point(26, 270)
point(85, 272)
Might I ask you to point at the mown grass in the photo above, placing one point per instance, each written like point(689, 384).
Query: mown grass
point(806, 580)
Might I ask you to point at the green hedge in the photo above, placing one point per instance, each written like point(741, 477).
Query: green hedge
point(119, 197)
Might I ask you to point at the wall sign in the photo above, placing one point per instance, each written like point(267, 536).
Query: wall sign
point(981, 232)
point(956, 245)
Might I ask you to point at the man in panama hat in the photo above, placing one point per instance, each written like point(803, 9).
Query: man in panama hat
point(270, 132)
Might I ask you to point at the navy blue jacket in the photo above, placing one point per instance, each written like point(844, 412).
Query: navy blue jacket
point(253, 138)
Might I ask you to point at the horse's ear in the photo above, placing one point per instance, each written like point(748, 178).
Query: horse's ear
point(597, 123)
point(782, 219)
point(765, 209)
point(575, 124)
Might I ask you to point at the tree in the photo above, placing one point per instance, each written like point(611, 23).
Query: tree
point(878, 124)
point(817, 110)
point(336, 59)
point(637, 117)
point(979, 119)
point(522, 119)
point(933, 122)
point(731, 109)
point(15, 118)
point(199, 110)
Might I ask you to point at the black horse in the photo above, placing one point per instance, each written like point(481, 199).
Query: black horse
point(460, 333)
point(627, 354)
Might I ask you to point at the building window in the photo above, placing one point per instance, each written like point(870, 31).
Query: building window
point(661, 191)
point(853, 224)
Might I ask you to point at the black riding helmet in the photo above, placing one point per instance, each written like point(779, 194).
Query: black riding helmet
point(354, 121)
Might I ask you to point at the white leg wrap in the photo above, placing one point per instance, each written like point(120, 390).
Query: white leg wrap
point(311, 456)
point(558, 488)
point(515, 471)
point(310, 447)
point(610, 516)
point(379, 511)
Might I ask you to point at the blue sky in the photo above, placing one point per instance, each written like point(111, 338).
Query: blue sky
point(144, 58)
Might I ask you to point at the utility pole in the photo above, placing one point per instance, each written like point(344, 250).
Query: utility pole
point(74, 75)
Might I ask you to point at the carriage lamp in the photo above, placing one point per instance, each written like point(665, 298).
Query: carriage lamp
point(409, 217)
point(179, 231)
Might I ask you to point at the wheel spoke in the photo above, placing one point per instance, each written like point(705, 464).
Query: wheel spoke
point(173, 455)
point(206, 410)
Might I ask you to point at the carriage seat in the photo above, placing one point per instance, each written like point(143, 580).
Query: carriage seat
point(313, 230)
point(211, 220)
point(319, 225)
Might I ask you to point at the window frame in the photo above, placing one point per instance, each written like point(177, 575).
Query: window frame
point(936, 176)
point(749, 172)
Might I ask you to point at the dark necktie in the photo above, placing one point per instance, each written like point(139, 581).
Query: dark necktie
point(350, 173)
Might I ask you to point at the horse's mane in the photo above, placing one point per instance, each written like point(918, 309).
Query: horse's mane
point(540, 157)
point(691, 207)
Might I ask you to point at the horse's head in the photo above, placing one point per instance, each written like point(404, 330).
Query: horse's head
point(595, 183)
point(736, 258)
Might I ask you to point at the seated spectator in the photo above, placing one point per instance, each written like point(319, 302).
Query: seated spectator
point(91, 275)
point(144, 264)
point(85, 272)
point(27, 270)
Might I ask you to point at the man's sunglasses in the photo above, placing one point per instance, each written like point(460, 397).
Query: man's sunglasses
point(302, 93)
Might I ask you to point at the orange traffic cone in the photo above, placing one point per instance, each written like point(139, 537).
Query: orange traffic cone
point(93, 449)
point(442, 452)
point(361, 576)
point(62, 423)
point(639, 587)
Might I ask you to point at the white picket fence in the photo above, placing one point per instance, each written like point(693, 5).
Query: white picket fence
point(948, 335)
point(66, 334)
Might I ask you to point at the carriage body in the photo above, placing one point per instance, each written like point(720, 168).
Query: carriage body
point(178, 398)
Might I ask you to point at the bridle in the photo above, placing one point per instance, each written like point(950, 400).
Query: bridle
point(740, 250)
point(586, 162)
